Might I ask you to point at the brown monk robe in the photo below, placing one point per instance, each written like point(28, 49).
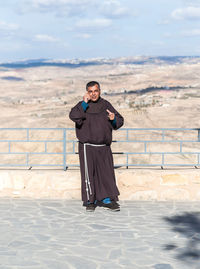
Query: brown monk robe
point(94, 132)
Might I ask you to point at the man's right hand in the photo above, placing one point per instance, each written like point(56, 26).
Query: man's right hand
point(86, 97)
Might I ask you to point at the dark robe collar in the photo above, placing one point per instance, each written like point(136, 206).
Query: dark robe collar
point(96, 107)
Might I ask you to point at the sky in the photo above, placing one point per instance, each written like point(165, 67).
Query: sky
point(84, 29)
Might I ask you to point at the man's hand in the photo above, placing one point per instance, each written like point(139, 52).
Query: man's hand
point(111, 115)
point(86, 97)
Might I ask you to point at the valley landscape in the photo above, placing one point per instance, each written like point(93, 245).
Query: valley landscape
point(149, 92)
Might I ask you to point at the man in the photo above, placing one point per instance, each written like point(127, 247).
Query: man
point(95, 119)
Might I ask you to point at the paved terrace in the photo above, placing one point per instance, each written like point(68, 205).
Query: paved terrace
point(60, 234)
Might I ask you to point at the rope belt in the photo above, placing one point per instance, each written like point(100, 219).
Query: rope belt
point(87, 179)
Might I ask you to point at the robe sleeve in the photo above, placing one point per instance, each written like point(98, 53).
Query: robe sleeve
point(119, 120)
point(77, 114)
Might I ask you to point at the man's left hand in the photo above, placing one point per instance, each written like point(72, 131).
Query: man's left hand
point(111, 115)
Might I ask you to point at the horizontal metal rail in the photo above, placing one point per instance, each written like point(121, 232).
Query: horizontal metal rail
point(56, 147)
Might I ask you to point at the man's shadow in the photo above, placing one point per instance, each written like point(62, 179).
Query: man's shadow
point(187, 228)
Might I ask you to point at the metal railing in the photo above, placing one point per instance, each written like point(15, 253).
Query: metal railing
point(55, 147)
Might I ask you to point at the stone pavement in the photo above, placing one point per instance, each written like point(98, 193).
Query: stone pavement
point(60, 234)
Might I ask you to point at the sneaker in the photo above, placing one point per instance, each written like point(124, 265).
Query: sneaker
point(90, 207)
point(116, 203)
point(113, 206)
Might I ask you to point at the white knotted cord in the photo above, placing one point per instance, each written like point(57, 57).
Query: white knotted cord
point(87, 179)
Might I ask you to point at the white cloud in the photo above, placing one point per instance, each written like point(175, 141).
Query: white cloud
point(113, 8)
point(105, 8)
point(45, 38)
point(4, 26)
point(59, 7)
point(90, 24)
point(8, 30)
point(190, 13)
point(194, 32)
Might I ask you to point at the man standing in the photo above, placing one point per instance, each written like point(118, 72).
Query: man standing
point(95, 118)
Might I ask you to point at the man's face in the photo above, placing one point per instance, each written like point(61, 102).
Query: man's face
point(94, 93)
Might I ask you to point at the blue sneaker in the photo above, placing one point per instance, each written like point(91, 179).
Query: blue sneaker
point(106, 200)
point(112, 206)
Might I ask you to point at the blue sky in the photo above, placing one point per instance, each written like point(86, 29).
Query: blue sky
point(69, 29)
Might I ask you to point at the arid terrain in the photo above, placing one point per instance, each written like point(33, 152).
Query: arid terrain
point(148, 93)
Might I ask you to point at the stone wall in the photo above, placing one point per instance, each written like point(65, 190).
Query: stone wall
point(134, 184)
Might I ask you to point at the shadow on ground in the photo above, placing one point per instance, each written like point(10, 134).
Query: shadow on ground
point(187, 228)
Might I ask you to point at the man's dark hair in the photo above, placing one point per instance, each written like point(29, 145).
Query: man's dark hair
point(91, 84)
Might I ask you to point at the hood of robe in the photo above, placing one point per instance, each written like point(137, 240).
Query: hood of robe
point(96, 107)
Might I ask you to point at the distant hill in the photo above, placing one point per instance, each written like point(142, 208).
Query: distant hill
point(139, 60)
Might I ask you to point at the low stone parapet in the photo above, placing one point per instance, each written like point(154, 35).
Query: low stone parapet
point(134, 184)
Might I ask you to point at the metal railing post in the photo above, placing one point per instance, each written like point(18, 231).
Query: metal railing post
point(27, 134)
point(163, 161)
point(127, 135)
point(181, 145)
point(163, 135)
point(126, 161)
point(64, 149)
